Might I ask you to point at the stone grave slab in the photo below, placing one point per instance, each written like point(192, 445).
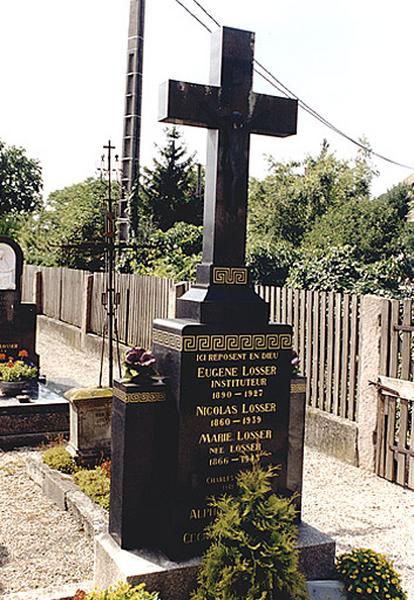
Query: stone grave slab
point(42, 416)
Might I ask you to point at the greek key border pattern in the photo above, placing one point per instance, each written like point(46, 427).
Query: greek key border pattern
point(298, 388)
point(218, 343)
point(165, 338)
point(138, 397)
point(244, 341)
point(230, 275)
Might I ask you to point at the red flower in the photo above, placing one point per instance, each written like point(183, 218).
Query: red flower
point(3, 356)
point(23, 353)
point(80, 595)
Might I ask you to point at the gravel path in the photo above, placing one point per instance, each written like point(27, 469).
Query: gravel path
point(40, 545)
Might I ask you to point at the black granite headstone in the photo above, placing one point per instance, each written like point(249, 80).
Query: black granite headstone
point(17, 320)
point(228, 369)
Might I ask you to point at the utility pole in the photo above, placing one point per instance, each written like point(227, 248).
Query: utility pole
point(128, 209)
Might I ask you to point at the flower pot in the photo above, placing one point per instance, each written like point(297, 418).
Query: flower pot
point(12, 388)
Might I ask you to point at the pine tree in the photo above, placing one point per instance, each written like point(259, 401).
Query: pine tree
point(169, 189)
point(252, 554)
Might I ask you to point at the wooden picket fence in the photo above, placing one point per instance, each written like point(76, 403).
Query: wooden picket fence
point(75, 297)
point(326, 334)
point(395, 421)
point(326, 331)
point(325, 325)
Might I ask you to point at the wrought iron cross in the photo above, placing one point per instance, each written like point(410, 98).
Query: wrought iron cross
point(231, 111)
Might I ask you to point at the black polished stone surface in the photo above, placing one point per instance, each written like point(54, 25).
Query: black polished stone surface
point(230, 395)
point(231, 111)
point(228, 369)
point(139, 474)
point(17, 320)
point(44, 416)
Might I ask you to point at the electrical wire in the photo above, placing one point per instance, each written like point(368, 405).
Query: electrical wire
point(282, 88)
point(193, 15)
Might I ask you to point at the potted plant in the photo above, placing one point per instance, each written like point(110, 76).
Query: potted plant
point(15, 373)
point(139, 365)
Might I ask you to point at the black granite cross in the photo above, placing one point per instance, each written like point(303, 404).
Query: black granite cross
point(231, 111)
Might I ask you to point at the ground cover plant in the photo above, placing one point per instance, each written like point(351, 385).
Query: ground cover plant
point(59, 458)
point(95, 483)
point(252, 553)
point(368, 574)
point(122, 591)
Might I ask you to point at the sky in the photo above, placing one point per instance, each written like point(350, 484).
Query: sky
point(63, 66)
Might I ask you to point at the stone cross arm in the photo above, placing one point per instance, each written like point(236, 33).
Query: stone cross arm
point(185, 103)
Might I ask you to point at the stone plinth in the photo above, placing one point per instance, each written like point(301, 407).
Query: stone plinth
point(90, 424)
point(139, 473)
point(175, 580)
point(229, 397)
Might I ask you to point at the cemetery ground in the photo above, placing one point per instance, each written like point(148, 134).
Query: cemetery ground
point(42, 547)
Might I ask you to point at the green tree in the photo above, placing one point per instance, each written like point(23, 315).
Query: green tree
point(253, 551)
point(68, 231)
point(173, 253)
point(168, 192)
point(362, 246)
point(286, 204)
point(20, 182)
point(372, 227)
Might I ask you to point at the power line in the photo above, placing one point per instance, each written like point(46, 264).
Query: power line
point(282, 88)
point(193, 15)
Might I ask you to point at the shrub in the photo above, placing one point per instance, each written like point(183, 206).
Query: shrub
point(368, 574)
point(95, 484)
point(270, 263)
point(252, 554)
point(59, 458)
point(122, 591)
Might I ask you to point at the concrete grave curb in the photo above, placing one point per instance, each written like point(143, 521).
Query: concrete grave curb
point(93, 519)
point(59, 488)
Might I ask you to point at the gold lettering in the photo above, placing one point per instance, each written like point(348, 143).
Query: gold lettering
point(203, 513)
point(207, 372)
point(219, 479)
point(216, 450)
point(259, 434)
point(215, 438)
point(238, 383)
point(215, 411)
point(259, 370)
point(193, 537)
point(245, 448)
point(259, 408)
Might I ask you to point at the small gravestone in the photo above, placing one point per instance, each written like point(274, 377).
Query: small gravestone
point(90, 424)
point(17, 320)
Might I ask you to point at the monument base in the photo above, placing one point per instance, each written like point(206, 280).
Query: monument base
point(43, 417)
point(175, 580)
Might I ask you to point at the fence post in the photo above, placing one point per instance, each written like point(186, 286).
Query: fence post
point(176, 291)
point(370, 348)
point(38, 291)
point(87, 304)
